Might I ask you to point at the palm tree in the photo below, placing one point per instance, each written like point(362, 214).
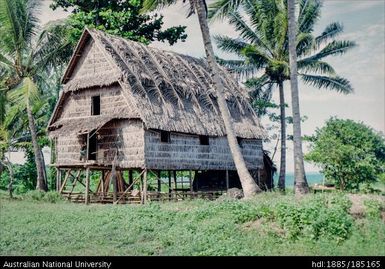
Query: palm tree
point(249, 186)
point(300, 182)
point(25, 54)
point(263, 46)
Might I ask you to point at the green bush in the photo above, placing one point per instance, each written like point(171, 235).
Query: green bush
point(349, 153)
point(373, 208)
point(52, 197)
point(36, 195)
point(321, 216)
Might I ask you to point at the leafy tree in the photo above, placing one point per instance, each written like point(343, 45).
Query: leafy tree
point(199, 7)
point(121, 18)
point(349, 153)
point(263, 45)
point(26, 54)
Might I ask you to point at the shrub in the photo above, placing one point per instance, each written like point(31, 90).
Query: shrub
point(373, 208)
point(316, 218)
point(52, 197)
point(349, 153)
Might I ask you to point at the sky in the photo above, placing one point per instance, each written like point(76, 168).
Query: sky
point(363, 22)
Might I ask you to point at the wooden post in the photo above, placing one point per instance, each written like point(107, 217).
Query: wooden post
point(57, 179)
point(159, 182)
point(191, 185)
point(227, 179)
point(114, 185)
point(62, 187)
point(88, 146)
point(87, 197)
point(175, 184)
point(102, 183)
point(169, 184)
point(259, 176)
point(144, 187)
point(130, 177)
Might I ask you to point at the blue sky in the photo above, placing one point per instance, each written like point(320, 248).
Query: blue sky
point(363, 22)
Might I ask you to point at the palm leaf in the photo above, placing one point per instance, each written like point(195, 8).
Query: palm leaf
point(255, 56)
point(310, 12)
point(316, 67)
point(333, 48)
point(336, 83)
point(220, 9)
point(239, 67)
point(331, 31)
point(229, 44)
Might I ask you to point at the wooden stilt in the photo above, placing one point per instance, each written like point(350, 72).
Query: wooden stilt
point(57, 179)
point(169, 184)
point(102, 184)
point(227, 180)
point(130, 176)
point(65, 181)
point(175, 184)
point(259, 177)
point(75, 181)
point(145, 186)
point(114, 185)
point(158, 173)
point(190, 178)
point(87, 197)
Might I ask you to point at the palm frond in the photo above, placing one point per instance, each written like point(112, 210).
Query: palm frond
point(310, 12)
point(26, 91)
point(305, 43)
point(10, 27)
point(316, 67)
point(4, 60)
point(246, 32)
point(239, 67)
point(152, 5)
point(331, 31)
point(336, 83)
point(256, 84)
point(255, 56)
point(333, 48)
point(221, 8)
point(29, 19)
point(228, 44)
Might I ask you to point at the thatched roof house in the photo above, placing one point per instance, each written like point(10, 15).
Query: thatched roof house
point(153, 109)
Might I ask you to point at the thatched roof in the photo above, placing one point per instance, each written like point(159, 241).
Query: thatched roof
point(81, 125)
point(169, 91)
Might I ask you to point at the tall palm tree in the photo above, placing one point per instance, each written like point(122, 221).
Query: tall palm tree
point(300, 185)
point(26, 52)
point(249, 186)
point(263, 46)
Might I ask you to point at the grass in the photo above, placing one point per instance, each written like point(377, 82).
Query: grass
point(272, 224)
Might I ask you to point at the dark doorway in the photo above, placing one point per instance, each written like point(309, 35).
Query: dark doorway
point(92, 147)
point(95, 105)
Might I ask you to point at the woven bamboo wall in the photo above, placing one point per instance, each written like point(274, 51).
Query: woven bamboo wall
point(68, 150)
point(185, 152)
point(111, 102)
point(92, 63)
point(125, 137)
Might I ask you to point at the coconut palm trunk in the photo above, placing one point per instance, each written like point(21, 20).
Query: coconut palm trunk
point(301, 185)
point(282, 168)
point(249, 186)
point(41, 183)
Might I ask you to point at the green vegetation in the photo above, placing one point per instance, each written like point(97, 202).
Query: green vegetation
point(272, 224)
point(263, 52)
point(351, 154)
point(121, 18)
